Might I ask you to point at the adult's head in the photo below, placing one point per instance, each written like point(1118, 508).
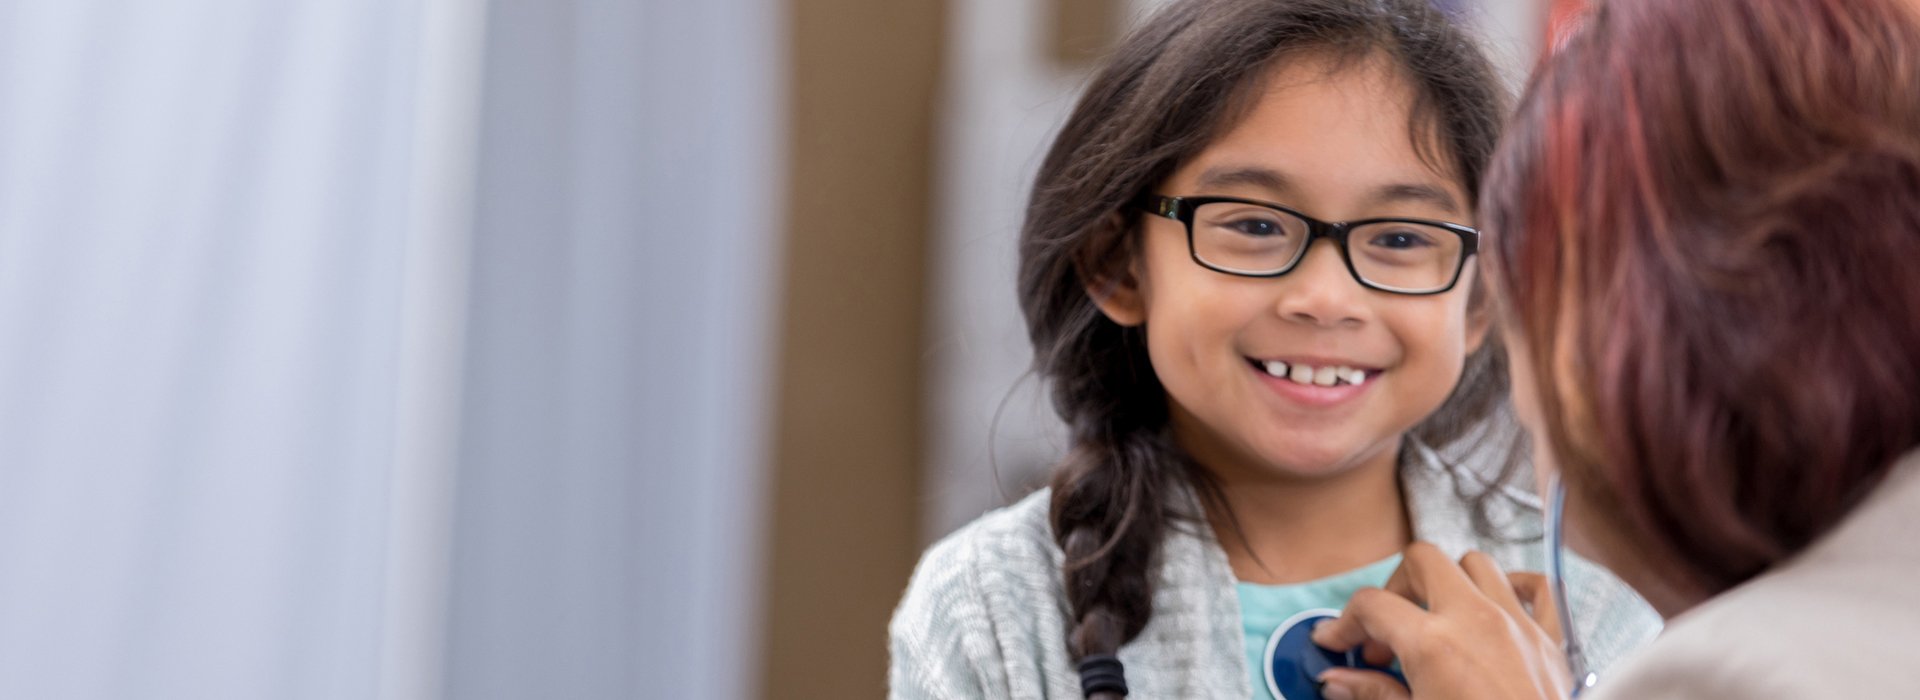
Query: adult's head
point(1706, 224)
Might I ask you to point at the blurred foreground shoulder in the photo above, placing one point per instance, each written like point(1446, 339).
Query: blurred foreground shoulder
point(1720, 662)
point(977, 606)
point(1840, 619)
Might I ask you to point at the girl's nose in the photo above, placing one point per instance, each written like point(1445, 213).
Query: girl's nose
point(1321, 291)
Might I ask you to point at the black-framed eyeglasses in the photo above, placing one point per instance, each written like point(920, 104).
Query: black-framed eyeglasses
point(1251, 238)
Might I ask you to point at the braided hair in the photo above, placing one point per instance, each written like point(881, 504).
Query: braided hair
point(1174, 84)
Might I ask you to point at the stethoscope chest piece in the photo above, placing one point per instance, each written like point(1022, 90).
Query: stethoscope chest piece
point(1293, 661)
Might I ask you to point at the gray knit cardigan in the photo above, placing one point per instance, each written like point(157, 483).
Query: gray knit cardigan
point(985, 615)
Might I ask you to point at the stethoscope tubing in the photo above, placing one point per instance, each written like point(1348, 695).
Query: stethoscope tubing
point(1557, 586)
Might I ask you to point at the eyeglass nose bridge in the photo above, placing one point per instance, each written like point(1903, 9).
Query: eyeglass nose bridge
point(1335, 231)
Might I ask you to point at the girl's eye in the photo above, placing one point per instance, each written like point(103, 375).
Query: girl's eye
point(1258, 228)
point(1400, 239)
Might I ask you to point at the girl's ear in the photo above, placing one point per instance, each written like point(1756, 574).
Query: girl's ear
point(1479, 322)
point(1481, 307)
point(1120, 299)
point(1116, 289)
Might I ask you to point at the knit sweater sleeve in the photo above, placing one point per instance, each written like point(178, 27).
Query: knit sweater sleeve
point(983, 616)
point(1613, 622)
point(940, 642)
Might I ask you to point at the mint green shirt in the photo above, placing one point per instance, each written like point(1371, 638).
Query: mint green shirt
point(1263, 608)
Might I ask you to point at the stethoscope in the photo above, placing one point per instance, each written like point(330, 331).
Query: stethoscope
point(1557, 585)
point(1293, 661)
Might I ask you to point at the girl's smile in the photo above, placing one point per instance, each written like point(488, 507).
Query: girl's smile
point(1315, 382)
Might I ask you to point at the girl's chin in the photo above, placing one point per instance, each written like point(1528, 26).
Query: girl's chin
point(1332, 461)
point(1313, 472)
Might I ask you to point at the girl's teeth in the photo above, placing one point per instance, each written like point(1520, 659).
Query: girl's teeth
point(1321, 376)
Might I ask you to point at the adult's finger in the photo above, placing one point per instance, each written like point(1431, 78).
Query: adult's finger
point(1430, 578)
point(1532, 588)
point(1355, 684)
point(1380, 622)
point(1493, 582)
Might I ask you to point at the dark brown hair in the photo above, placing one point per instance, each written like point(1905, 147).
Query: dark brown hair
point(1168, 90)
point(1706, 220)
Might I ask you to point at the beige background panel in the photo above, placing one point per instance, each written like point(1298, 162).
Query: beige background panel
point(845, 521)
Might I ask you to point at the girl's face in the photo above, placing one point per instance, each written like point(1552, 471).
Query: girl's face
point(1333, 144)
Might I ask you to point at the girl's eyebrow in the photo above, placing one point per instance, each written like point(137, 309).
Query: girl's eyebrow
point(1220, 177)
point(1407, 192)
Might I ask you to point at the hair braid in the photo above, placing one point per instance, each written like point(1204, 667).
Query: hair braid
point(1108, 516)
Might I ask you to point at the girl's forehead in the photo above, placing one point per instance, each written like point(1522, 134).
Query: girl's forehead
point(1327, 129)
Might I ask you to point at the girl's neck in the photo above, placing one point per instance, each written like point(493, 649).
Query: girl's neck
point(1294, 529)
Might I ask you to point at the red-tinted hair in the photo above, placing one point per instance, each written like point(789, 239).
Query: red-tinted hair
point(1706, 226)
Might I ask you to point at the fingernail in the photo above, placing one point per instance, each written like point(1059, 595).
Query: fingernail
point(1330, 691)
point(1315, 633)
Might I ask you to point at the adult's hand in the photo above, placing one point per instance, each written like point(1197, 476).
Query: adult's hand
point(1466, 630)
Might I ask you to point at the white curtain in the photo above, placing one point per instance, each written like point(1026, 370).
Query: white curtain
point(358, 348)
point(619, 379)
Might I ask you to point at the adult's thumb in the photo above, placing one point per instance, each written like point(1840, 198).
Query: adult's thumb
point(1355, 684)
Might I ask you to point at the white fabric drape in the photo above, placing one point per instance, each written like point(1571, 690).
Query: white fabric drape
point(616, 392)
point(202, 211)
point(332, 366)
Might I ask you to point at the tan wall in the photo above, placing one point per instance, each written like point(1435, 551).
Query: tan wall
point(845, 518)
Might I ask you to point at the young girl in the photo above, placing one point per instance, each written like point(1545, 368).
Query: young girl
point(1246, 271)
